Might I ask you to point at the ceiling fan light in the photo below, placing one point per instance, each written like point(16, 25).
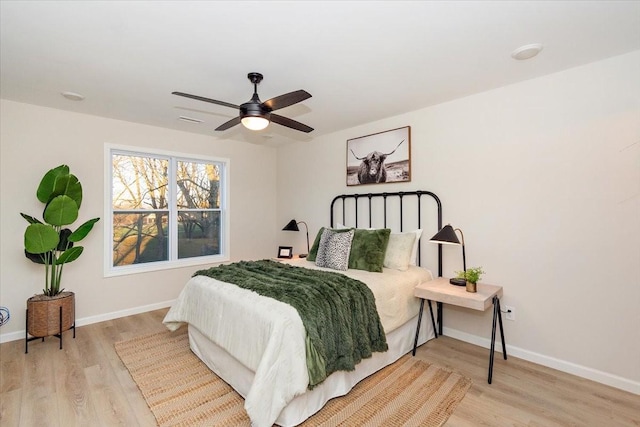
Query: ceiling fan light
point(255, 122)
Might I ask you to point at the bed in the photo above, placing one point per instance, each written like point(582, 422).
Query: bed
point(258, 344)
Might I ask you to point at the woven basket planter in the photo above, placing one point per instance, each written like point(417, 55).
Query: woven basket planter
point(43, 316)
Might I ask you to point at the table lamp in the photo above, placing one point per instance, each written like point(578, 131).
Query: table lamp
point(293, 226)
point(448, 236)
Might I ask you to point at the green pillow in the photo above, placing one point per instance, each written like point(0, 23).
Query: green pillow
point(313, 252)
point(368, 248)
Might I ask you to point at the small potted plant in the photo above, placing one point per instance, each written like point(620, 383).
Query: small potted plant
point(50, 244)
point(472, 276)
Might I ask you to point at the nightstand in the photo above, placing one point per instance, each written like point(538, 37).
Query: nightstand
point(294, 257)
point(442, 292)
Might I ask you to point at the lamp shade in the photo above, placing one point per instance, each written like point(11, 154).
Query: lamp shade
point(255, 123)
point(291, 226)
point(447, 236)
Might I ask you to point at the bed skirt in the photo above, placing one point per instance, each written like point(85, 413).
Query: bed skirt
point(339, 383)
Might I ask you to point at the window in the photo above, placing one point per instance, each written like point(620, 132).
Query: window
point(167, 210)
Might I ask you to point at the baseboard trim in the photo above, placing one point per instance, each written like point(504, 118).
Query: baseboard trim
point(550, 362)
point(19, 335)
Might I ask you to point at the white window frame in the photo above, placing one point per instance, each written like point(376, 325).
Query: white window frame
point(173, 261)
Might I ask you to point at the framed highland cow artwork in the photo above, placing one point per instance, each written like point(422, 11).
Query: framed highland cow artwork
point(380, 158)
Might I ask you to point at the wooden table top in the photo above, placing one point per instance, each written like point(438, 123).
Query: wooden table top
point(440, 290)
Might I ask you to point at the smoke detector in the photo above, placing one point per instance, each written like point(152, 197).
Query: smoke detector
point(73, 96)
point(527, 51)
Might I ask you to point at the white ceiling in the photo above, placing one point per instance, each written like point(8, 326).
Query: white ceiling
point(361, 60)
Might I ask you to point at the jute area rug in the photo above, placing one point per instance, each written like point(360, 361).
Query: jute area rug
point(181, 391)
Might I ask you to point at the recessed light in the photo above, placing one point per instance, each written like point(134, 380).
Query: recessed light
point(527, 51)
point(189, 119)
point(73, 96)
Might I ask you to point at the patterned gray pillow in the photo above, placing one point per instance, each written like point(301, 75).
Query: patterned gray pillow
point(334, 249)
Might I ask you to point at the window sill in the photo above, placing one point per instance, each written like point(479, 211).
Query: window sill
point(151, 267)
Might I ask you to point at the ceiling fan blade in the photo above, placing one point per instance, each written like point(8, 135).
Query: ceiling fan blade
point(290, 123)
point(231, 123)
point(287, 99)
point(201, 98)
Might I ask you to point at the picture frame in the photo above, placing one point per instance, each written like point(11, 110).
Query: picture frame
point(383, 157)
point(285, 252)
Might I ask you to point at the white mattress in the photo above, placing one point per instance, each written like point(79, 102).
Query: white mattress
point(339, 383)
point(266, 337)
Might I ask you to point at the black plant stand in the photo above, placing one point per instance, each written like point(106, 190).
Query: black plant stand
point(58, 335)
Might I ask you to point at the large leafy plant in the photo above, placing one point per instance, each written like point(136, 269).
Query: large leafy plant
point(48, 242)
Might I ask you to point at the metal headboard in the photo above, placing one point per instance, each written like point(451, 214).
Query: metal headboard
point(385, 196)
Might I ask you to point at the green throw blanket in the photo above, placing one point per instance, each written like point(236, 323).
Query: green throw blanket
point(338, 313)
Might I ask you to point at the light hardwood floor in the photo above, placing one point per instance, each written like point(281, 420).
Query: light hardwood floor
point(85, 384)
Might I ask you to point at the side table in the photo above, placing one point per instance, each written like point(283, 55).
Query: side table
point(441, 291)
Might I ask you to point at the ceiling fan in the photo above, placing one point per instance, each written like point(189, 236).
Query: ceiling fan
point(256, 115)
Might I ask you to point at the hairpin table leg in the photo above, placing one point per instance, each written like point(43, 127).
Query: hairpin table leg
point(415, 341)
point(497, 316)
point(433, 321)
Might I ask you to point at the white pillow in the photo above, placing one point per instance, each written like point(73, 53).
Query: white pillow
point(334, 249)
point(413, 260)
point(416, 243)
point(414, 250)
point(399, 249)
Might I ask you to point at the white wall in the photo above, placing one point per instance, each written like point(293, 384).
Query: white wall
point(35, 139)
point(543, 177)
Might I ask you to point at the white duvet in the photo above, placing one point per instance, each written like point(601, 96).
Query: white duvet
point(268, 337)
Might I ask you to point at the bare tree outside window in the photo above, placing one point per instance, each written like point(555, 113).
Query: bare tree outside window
point(144, 205)
point(198, 209)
